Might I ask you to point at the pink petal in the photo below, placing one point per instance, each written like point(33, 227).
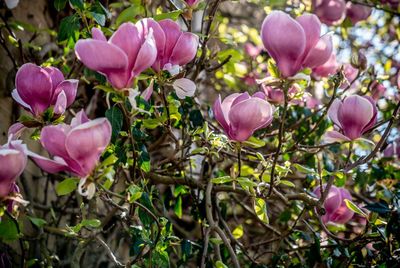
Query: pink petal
point(374, 118)
point(219, 114)
point(34, 86)
point(146, 94)
point(12, 164)
point(70, 88)
point(97, 34)
point(285, 41)
point(355, 113)
point(328, 68)
point(16, 130)
point(146, 55)
point(127, 38)
point(86, 143)
point(61, 103)
point(172, 32)
point(357, 13)
point(184, 88)
point(330, 11)
point(321, 53)
point(79, 119)
point(312, 29)
point(17, 98)
point(333, 112)
point(105, 58)
point(247, 116)
point(48, 165)
point(334, 136)
point(53, 138)
point(185, 49)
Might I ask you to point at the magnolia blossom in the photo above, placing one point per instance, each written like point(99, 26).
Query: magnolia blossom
point(123, 57)
point(357, 13)
point(351, 117)
point(252, 50)
point(13, 160)
point(350, 73)
point(192, 3)
point(174, 47)
point(76, 148)
point(330, 12)
point(393, 149)
point(295, 44)
point(328, 68)
point(377, 90)
point(276, 95)
point(241, 114)
point(38, 89)
point(335, 206)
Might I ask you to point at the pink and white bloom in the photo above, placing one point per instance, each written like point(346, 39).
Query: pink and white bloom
point(76, 148)
point(192, 3)
point(335, 206)
point(351, 117)
point(13, 160)
point(350, 73)
point(295, 44)
point(122, 58)
point(184, 88)
point(328, 68)
point(377, 90)
point(330, 12)
point(276, 95)
point(241, 114)
point(252, 50)
point(393, 149)
point(175, 48)
point(39, 88)
point(357, 13)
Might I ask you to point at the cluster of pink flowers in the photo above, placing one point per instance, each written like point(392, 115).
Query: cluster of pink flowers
point(333, 12)
point(135, 47)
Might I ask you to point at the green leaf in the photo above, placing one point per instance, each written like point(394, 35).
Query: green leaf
point(135, 192)
point(303, 169)
point(38, 221)
point(152, 123)
point(178, 207)
point(173, 15)
point(260, 207)
point(99, 13)
point(77, 4)
point(220, 264)
point(288, 183)
point(144, 159)
point(66, 186)
point(353, 207)
point(129, 14)
point(59, 4)
point(254, 142)
point(115, 116)
point(8, 230)
point(94, 223)
point(238, 232)
point(221, 180)
point(68, 28)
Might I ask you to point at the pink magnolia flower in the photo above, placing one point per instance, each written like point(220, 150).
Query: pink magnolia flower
point(276, 95)
point(351, 117)
point(350, 74)
point(295, 44)
point(357, 13)
point(192, 3)
point(13, 160)
point(393, 149)
point(377, 90)
point(241, 114)
point(122, 58)
point(330, 12)
point(175, 48)
point(335, 206)
point(328, 68)
point(252, 50)
point(38, 89)
point(76, 148)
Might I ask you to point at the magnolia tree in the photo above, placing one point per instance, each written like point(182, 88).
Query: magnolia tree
point(201, 134)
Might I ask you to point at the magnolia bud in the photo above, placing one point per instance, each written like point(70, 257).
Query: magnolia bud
point(359, 61)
